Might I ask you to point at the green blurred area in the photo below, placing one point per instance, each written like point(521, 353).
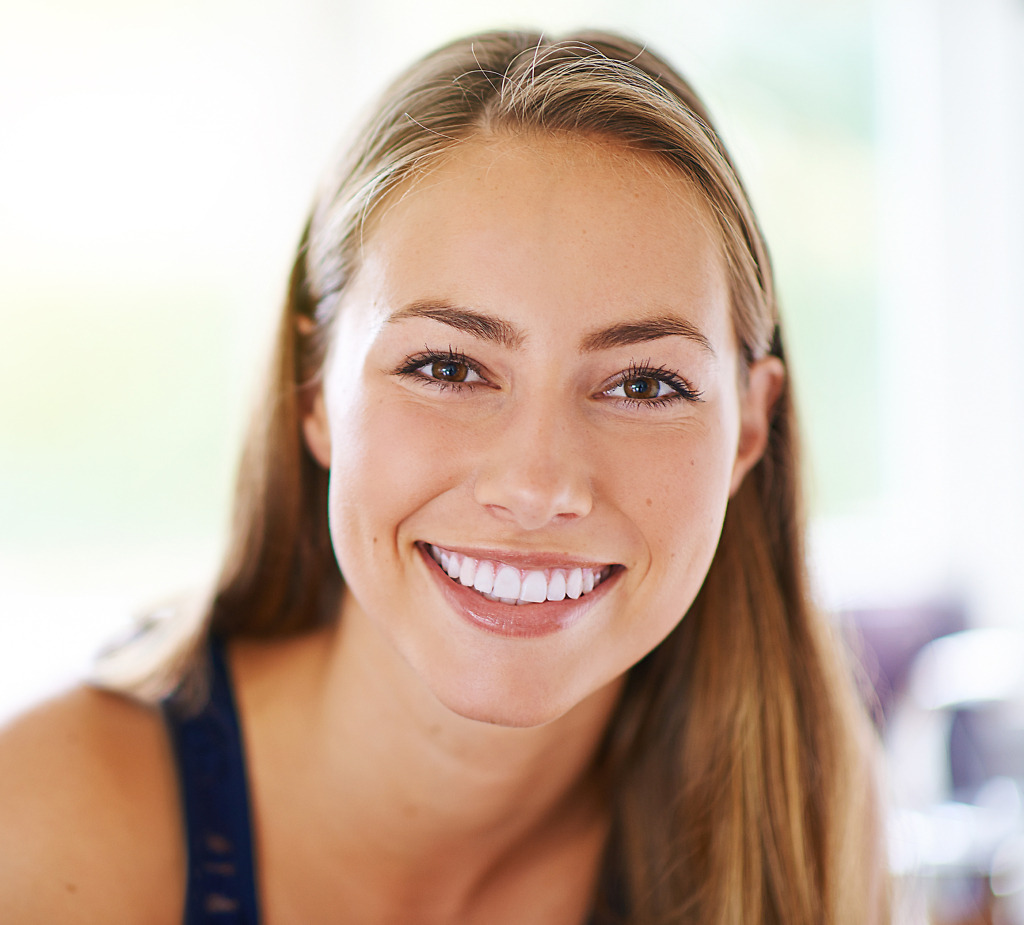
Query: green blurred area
point(120, 414)
point(823, 247)
point(799, 93)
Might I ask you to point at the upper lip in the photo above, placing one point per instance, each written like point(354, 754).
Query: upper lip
point(524, 560)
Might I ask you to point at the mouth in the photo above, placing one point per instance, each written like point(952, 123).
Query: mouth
point(518, 596)
point(501, 581)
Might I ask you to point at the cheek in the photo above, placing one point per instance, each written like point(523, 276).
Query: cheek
point(677, 499)
point(676, 486)
point(389, 459)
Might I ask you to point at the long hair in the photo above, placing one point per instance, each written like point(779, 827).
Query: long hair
point(739, 774)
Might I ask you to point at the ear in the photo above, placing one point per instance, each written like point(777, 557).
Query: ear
point(765, 379)
point(314, 425)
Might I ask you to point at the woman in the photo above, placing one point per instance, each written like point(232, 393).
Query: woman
point(529, 395)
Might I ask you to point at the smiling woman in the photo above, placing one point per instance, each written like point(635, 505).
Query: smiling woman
point(516, 567)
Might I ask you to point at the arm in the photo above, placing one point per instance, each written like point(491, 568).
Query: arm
point(88, 815)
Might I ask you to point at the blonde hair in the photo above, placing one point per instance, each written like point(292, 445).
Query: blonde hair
point(737, 763)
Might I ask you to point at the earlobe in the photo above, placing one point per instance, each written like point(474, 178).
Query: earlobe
point(765, 380)
point(314, 428)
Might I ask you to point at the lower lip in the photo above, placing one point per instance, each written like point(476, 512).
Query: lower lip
point(521, 621)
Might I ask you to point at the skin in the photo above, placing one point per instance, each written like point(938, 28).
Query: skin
point(409, 765)
point(557, 240)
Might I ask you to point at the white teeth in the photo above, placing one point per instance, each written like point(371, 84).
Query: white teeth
point(556, 586)
point(507, 583)
point(467, 572)
point(535, 587)
point(483, 581)
point(574, 583)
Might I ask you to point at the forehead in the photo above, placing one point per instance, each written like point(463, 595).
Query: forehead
point(584, 227)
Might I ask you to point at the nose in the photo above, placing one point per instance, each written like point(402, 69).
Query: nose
point(535, 470)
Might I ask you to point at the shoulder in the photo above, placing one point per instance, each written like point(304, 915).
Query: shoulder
point(88, 811)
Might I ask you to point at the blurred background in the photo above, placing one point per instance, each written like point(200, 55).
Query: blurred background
point(156, 162)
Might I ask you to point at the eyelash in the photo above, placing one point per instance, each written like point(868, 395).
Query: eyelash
point(681, 389)
point(412, 365)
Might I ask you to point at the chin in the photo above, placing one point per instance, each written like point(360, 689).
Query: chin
point(505, 715)
point(524, 707)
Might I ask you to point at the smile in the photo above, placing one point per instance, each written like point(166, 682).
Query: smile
point(508, 584)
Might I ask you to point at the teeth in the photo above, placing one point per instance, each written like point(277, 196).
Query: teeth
point(468, 571)
point(574, 583)
point(535, 587)
point(556, 586)
point(499, 582)
point(483, 581)
point(507, 583)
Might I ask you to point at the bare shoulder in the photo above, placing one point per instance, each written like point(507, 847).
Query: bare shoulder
point(88, 812)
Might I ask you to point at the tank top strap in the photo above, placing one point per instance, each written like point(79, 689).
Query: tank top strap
point(214, 790)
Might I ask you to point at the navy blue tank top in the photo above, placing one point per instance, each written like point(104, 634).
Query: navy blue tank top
point(215, 803)
point(210, 756)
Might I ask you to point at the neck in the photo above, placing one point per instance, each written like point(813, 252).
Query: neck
point(398, 786)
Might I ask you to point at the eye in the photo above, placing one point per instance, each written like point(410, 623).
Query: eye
point(644, 386)
point(447, 370)
point(441, 368)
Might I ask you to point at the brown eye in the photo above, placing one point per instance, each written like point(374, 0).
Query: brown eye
point(449, 371)
point(642, 387)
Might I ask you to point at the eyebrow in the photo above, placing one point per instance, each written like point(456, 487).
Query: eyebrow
point(637, 332)
point(499, 331)
point(478, 324)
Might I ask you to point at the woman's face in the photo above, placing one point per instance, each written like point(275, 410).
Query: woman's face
point(534, 385)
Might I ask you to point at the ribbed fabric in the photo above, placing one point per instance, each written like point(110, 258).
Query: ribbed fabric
point(215, 803)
